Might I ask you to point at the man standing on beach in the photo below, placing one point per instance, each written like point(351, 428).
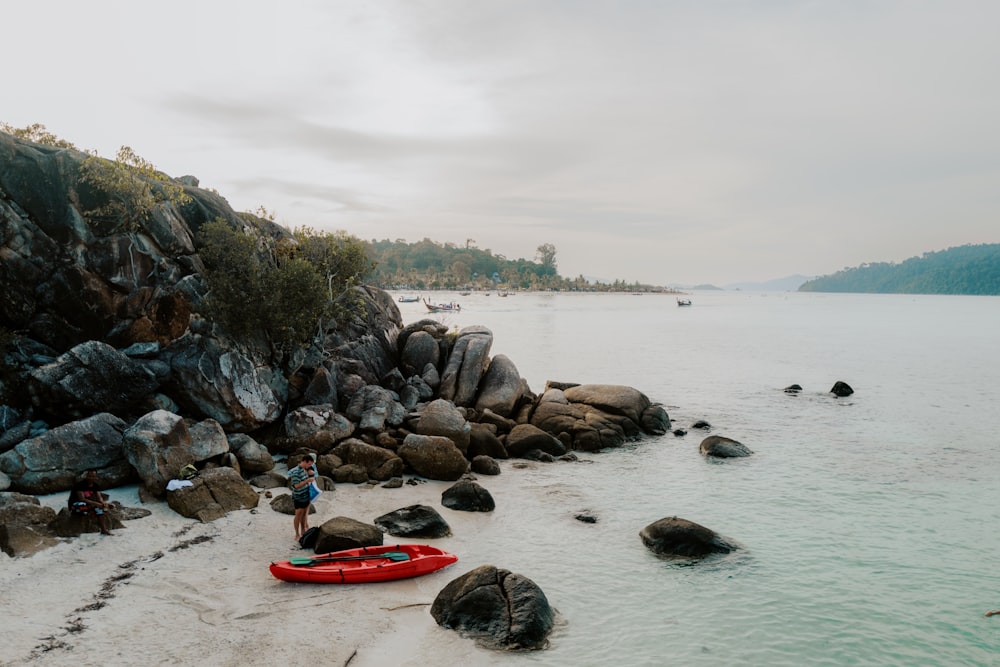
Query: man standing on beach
point(300, 477)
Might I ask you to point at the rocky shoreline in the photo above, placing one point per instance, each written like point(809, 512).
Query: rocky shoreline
point(112, 368)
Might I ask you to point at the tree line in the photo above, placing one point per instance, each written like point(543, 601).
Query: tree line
point(968, 269)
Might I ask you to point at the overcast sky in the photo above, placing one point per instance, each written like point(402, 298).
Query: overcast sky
point(669, 142)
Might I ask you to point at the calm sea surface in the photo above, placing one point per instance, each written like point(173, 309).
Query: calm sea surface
point(869, 524)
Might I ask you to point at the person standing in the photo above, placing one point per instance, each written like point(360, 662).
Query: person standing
point(86, 499)
point(300, 477)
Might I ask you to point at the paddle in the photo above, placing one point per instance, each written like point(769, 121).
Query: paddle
point(388, 555)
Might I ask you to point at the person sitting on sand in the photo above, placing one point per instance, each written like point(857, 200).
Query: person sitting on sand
point(86, 499)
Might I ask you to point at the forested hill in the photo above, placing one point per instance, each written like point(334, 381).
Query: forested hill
point(968, 269)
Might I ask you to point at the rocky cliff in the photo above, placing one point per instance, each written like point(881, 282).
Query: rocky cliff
point(112, 365)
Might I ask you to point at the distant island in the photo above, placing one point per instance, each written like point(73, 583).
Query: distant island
point(967, 269)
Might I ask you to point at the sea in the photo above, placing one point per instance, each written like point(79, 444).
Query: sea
point(867, 525)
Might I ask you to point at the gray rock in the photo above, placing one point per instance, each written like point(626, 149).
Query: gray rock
point(25, 525)
point(526, 437)
point(415, 521)
point(158, 445)
point(723, 448)
point(215, 492)
point(425, 350)
point(283, 504)
point(466, 365)
point(91, 377)
point(610, 398)
point(673, 536)
point(315, 427)
point(501, 388)
point(483, 441)
point(253, 456)
point(595, 417)
point(379, 463)
point(841, 389)
point(485, 465)
point(225, 383)
point(322, 388)
point(501, 609)
point(269, 480)
point(468, 496)
point(52, 461)
point(374, 408)
point(208, 440)
point(343, 532)
point(433, 457)
point(443, 419)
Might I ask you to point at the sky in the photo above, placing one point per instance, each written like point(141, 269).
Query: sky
point(668, 142)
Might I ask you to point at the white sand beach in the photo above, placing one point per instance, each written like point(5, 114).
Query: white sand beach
point(170, 590)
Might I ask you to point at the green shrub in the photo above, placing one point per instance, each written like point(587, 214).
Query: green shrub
point(288, 288)
point(130, 188)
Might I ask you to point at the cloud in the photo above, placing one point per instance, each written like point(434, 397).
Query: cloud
point(663, 142)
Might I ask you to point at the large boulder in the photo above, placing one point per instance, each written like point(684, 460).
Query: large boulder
point(379, 463)
point(442, 418)
point(527, 437)
point(718, 446)
point(322, 387)
point(593, 417)
point(208, 440)
point(433, 457)
point(366, 336)
point(231, 384)
point(158, 445)
point(52, 461)
point(23, 525)
point(501, 388)
point(841, 389)
point(501, 609)
point(253, 456)
point(414, 522)
point(483, 441)
point(375, 408)
point(421, 348)
point(485, 465)
point(673, 536)
point(610, 398)
point(214, 493)
point(466, 365)
point(468, 496)
point(341, 532)
point(89, 378)
point(315, 427)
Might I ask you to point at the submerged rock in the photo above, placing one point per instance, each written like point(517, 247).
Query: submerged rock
point(674, 536)
point(723, 448)
point(501, 609)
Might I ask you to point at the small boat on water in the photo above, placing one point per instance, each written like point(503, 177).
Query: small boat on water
point(442, 307)
point(683, 302)
point(408, 299)
point(364, 565)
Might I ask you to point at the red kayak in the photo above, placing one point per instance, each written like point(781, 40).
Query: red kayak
point(364, 565)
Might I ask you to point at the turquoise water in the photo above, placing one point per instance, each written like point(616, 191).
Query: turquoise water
point(868, 524)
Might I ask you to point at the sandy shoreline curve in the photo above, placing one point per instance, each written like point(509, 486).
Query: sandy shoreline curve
point(166, 589)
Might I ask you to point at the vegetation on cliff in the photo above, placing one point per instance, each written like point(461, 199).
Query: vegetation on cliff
point(128, 188)
point(968, 269)
point(286, 287)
